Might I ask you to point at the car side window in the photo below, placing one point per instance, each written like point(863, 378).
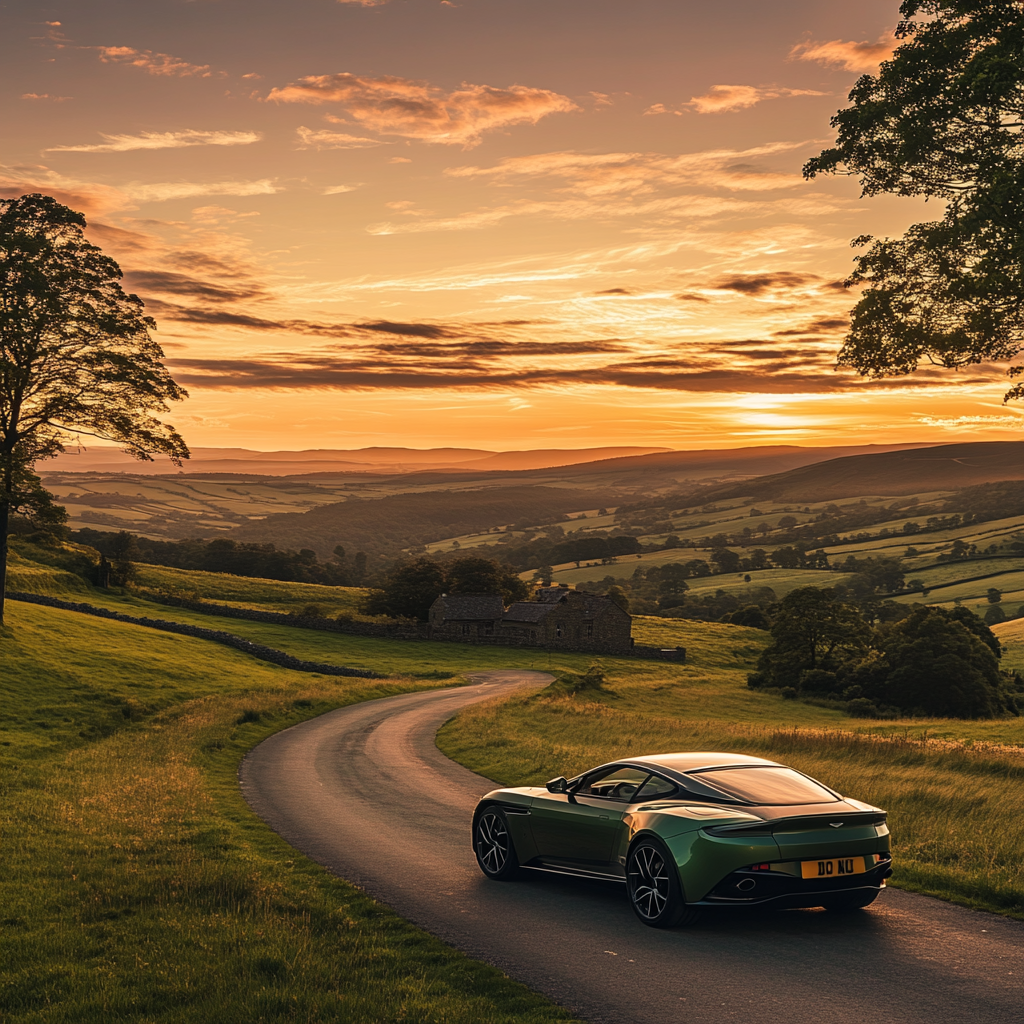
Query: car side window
point(614, 784)
point(655, 788)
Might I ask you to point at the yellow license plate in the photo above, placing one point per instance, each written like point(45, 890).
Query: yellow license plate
point(834, 868)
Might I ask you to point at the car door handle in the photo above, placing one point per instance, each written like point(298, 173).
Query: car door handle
point(604, 817)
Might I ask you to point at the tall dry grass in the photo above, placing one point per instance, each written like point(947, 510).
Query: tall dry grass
point(137, 886)
point(956, 808)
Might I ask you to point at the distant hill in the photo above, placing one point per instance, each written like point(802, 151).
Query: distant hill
point(650, 474)
point(673, 468)
point(385, 525)
point(106, 459)
point(940, 468)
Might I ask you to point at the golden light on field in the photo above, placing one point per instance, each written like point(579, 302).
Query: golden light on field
point(506, 226)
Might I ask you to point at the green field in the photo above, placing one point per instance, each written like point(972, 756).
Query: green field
point(954, 790)
point(243, 592)
point(33, 577)
point(131, 861)
point(1011, 636)
point(138, 886)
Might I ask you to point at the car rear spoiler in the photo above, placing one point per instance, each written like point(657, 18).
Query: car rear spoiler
point(799, 823)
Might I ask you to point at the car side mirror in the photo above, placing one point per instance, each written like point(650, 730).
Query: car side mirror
point(559, 785)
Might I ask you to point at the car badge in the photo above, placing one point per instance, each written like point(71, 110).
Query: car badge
point(836, 824)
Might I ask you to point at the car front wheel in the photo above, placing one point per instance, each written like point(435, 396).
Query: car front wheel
point(652, 881)
point(492, 842)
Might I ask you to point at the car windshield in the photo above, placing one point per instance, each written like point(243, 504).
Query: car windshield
point(767, 785)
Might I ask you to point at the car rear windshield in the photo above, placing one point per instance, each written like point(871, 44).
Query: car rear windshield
point(767, 785)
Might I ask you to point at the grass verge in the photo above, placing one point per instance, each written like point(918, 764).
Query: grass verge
point(138, 886)
point(954, 790)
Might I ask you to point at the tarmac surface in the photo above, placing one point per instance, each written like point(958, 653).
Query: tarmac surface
point(365, 792)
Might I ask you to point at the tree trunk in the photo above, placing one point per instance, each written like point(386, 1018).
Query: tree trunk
point(5, 519)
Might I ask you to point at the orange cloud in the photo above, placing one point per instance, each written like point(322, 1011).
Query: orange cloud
point(721, 99)
point(851, 56)
point(156, 192)
point(417, 110)
point(334, 140)
point(162, 140)
point(154, 63)
point(88, 197)
point(639, 173)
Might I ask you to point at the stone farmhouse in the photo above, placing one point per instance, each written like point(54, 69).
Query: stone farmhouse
point(559, 618)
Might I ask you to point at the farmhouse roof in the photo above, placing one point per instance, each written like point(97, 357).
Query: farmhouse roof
point(470, 606)
point(528, 611)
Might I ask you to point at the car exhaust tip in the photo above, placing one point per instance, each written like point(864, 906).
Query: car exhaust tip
point(746, 885)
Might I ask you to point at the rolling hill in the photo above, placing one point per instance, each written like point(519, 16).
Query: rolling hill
point(389, 524)
point(107, 459)
point(199, 502)
point(939, 468)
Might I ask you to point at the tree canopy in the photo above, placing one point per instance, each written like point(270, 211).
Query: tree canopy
point(933, 661)
point(411, 587)
point(76, 356)
point(942, 119)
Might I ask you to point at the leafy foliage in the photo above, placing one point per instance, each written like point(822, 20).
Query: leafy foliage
point(258, 561)
point(929, 662)
point(812, 633)
point(411, 587)
point(942, 119)
point(76, 356)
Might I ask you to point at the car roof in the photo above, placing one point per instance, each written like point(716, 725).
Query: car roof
point(697, 760)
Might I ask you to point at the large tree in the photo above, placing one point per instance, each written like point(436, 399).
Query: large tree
point(76, 357)
point(942, 119)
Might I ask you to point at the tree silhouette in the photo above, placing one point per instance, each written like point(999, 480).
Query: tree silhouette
point(942, 119)
point(76, 356)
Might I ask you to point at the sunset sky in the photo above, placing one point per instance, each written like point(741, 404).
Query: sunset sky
point(486, 223)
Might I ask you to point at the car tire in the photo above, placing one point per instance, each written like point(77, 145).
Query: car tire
point(652, 882)
point(854, 901)
point(492, 842)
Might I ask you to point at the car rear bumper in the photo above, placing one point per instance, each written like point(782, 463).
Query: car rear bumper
point(747, 888)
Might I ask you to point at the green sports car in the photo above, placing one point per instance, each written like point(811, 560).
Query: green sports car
point(688, 831)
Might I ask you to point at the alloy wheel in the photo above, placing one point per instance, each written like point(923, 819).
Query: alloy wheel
point(492, 842)
point(649, 883)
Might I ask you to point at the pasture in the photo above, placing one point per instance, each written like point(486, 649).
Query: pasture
point(952, 786)
point(954, 790)
point(138, 886)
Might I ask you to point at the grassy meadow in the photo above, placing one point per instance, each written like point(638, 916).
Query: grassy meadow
point(138, 886)
point(954, 789)
point(244, 592)
point(131, 861)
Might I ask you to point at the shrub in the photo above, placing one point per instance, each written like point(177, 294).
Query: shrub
point(751, 615)
point(994, 614)
point(570, 682)
point(861, 707)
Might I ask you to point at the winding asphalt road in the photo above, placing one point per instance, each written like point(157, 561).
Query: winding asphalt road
point(366, 793)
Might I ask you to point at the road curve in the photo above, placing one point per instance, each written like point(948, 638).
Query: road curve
point(365, 792)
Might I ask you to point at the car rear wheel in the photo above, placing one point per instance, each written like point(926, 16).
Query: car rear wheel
point(653, 885)
point(855, 901)
point(492, 841)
